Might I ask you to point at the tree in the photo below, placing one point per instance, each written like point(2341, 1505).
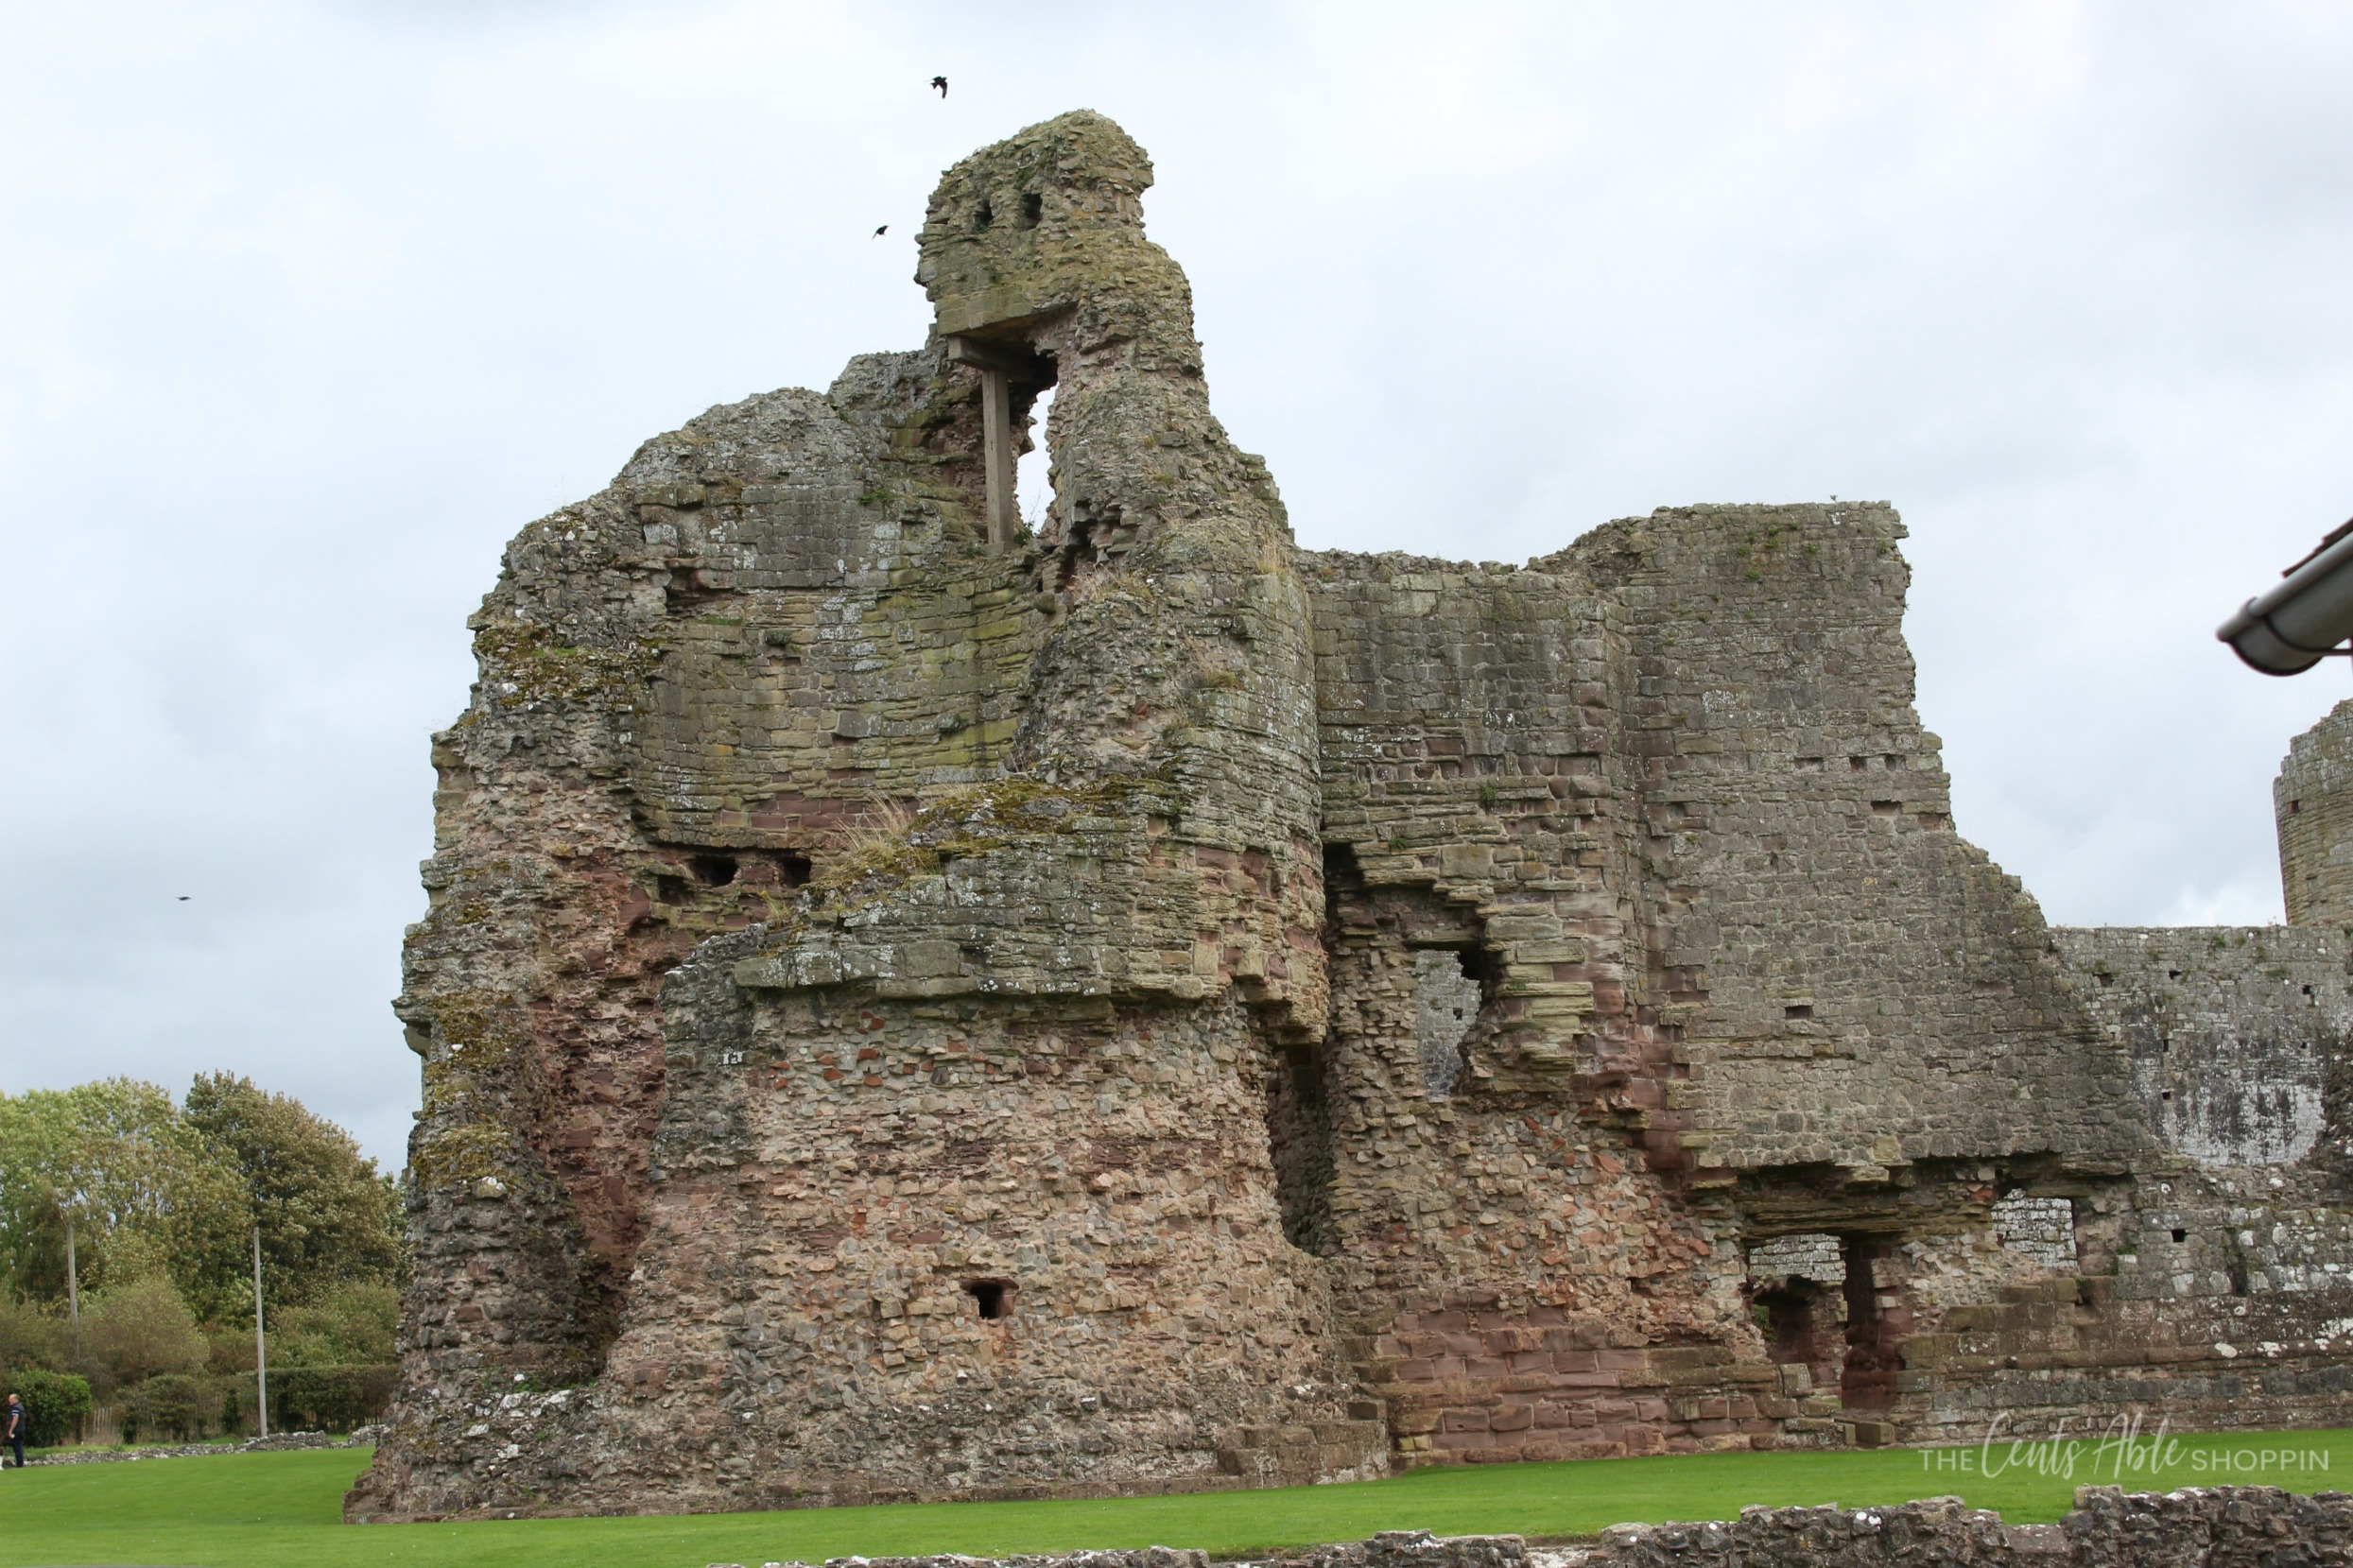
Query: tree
point(115, 1166)
point(141, 1330)
point(328, 1219)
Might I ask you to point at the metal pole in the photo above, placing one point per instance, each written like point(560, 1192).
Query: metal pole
point(73, 1283)
point(261, 1347)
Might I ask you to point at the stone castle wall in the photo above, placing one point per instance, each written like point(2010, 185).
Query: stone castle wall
point(1144, 1007)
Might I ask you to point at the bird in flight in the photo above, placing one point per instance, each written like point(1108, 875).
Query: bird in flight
point(884, 230)
point(184, 898)
point(941, 83)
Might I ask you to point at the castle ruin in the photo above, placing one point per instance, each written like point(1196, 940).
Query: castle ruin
point(911, 1008)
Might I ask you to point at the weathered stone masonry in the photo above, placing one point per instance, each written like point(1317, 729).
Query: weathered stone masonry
point(908, 1012)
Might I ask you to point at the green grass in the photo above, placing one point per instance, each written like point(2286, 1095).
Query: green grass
point(263, 1510)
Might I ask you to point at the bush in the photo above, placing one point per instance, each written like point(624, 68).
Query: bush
point(354, 1325)
point(137, 1331)
point(174, 1406)
point(32, 1337)
point(329, 1399)
point(56, 1404)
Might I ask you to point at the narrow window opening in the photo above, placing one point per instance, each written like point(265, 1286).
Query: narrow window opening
point(793, 870)
point(2172, 974)
point(2165, 1094)
point(2180, 1234)
point(993, 1297)
point(1445, 1005)
point(1299, 1140)
point(2294, 807)
point(1032, 209)
point(982, 217)
point(712, 870)
point(1033, 485)
point(1856, 764)
point(1799, 1009)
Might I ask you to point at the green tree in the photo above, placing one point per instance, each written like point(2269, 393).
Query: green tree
point(117, 1162)
point(352, 1325)
point(141, 1330)
point(328, 1219)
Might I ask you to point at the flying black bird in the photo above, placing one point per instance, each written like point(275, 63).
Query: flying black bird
point(941, 83)
point(884, 230)
point(184, 898)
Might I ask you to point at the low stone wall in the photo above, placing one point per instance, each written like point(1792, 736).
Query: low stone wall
point(361, 1438)
point(2196, 1528)
point(1389, 1549)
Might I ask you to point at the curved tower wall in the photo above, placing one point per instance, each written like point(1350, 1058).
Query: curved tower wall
point(2313, 802)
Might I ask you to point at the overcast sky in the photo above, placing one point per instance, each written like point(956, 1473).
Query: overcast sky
point(304, 309)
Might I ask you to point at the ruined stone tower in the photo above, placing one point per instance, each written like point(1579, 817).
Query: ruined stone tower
point(912, 1008)
point(2312, 801)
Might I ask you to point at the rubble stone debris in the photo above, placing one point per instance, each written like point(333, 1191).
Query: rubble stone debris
point(911, 1008)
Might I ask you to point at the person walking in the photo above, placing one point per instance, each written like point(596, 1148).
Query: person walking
point(12, 1428)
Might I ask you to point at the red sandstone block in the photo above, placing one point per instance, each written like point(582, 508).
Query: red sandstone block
point(1585, 1380)
point(1417, 1371)
point(1574, 1361)
point(1462, 1442)
point(1651, 1409)
point(1479, 1367)
point(1711, 1428)
point(1552, 1414)
point(1530, 1361)
point(1512, 1418)
point(1465, 1344)
point(1412, 1423)
point(1463, 1420)
point(1611, 1411)
point(1621, 1360)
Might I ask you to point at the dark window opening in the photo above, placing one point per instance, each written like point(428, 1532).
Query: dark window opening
point(982, 217)
point(712, 870)
point(1873, 1331)
point(1032, 209)
point(2294, 807)
point(2165, 1094)
point(2180, 1234)
point(1299, 1137)
point(1799, 1009)
point(993, 1297)
point(2172, 974)
point(793, 870)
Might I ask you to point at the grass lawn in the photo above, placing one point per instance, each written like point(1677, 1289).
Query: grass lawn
point(263, 1510)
